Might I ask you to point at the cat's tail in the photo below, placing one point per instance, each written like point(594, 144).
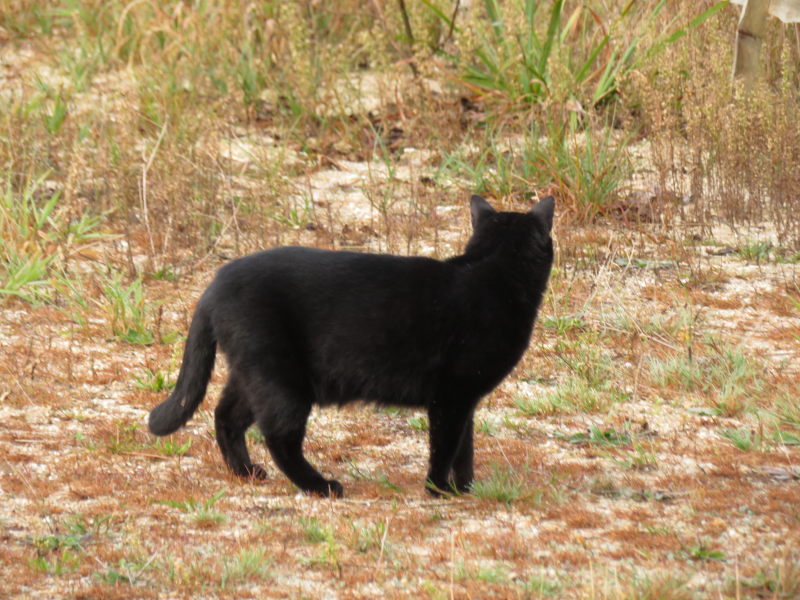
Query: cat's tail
point(190, 389)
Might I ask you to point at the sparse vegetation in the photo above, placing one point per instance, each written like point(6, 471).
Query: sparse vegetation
point(169, 447)
point(645, 448)
point(743, 439)
point(130, 315)
point(780, 579)
point(600, 437)
point(419, 422)
point(154, 381)
point(37, 239)
point(730, 379)
point(703, 551)
point(641, 458)
point(201, 511)
point(504, 484)
point(249, 564)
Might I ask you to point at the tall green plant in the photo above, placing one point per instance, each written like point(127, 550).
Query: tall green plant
point(130, 316)
point(588, 166)
point(516, 63)
point(35, 238)
point(581, 56)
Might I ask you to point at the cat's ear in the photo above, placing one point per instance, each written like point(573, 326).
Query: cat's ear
point(479, 208)
point(545, 209)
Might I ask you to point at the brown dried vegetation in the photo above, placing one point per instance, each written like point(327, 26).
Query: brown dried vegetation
point(645, 447)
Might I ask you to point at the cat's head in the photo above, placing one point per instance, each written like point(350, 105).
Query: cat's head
point(527, 232)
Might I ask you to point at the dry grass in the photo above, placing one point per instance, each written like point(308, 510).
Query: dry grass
point(647, 445)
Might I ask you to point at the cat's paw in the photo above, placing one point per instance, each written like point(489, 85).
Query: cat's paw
point(329, 489)
point(335, 489)
point(464, 487)
point(451, 489)
point(437, 491)
point(256, 472)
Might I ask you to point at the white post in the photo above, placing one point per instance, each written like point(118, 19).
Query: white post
point(752, 27)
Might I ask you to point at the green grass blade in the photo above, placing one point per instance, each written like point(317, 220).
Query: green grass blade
point(583, 72)
point(708, 13)
point(438, 12)
point(496, 19)
point(552, 33)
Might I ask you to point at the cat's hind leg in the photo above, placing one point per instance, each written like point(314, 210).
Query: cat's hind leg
point(232, 417)
point(282, 417)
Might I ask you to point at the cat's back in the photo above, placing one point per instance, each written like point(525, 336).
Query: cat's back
point(280, 265)
point(268, 262)
point(304, 263)
point(302, 275)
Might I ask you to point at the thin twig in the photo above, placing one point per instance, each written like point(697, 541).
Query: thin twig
point(143, 192)
point(452, 23)
point(452, 564)
point(409, 35)
point(383, 544)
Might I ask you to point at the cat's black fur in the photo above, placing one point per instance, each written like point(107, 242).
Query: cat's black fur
point(303, 326)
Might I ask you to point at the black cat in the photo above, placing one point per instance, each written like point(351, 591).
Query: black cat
point(302, 326)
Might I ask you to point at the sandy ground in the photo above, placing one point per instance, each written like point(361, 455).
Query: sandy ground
point(606, 474)
point(93, 506)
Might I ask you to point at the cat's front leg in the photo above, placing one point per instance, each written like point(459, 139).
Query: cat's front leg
point(463, 470)
point(448, 423)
